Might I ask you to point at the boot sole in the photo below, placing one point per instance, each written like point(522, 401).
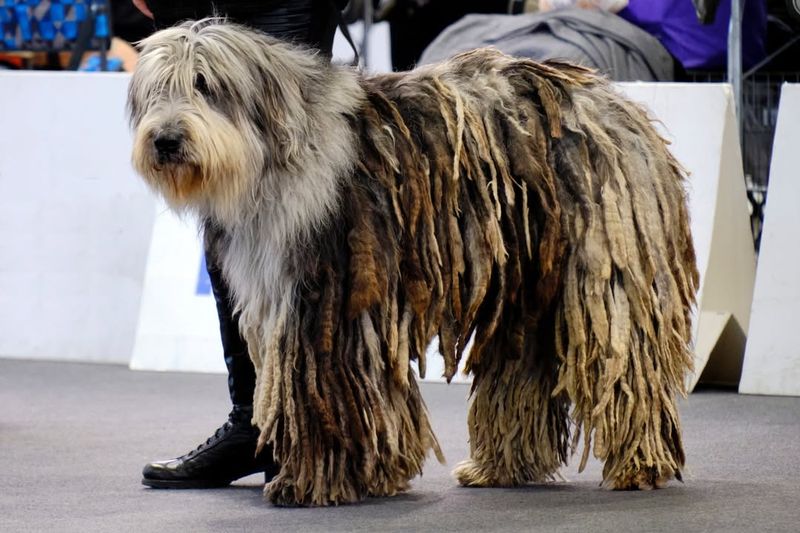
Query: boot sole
point(184, 484)
point(199, 483)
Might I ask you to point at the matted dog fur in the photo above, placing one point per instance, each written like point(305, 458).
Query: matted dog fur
point(526, 205)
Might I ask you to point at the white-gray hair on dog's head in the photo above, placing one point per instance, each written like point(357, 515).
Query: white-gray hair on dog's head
point(222, 114)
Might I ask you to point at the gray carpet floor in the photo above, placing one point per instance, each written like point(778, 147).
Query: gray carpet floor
point(74, 437)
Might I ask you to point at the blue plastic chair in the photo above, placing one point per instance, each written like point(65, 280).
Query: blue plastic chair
point(73, 26)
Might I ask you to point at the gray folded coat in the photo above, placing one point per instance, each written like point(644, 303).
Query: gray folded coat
point(592, 38)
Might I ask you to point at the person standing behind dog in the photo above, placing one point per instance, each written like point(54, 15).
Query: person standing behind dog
point(229, 453)
point(694, 45)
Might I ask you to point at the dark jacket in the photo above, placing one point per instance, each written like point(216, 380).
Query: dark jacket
point(311, 22)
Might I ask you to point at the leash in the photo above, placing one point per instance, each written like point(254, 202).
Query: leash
point(340, 22)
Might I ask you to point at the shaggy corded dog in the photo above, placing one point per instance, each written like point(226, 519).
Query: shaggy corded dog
point(527, 206)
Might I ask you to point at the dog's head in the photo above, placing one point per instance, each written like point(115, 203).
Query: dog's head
point(214, 106)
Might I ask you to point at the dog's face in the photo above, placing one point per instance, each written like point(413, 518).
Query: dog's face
point(208, 109)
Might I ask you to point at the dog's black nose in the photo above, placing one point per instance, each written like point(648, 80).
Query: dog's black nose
point(167, 144)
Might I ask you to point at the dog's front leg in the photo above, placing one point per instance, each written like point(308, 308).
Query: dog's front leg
point(342, 424)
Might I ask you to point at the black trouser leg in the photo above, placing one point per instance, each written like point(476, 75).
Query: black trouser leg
point(241, 374)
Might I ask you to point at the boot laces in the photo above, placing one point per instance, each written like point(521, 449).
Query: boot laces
point(224, 428)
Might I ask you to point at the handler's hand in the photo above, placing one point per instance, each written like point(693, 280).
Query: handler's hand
point(141, 5)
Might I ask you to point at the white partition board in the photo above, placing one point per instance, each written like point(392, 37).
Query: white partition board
point(75, 219)
point(178, 325)
point(772, 359)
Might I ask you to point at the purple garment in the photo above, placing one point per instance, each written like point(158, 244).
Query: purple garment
point(674, 23)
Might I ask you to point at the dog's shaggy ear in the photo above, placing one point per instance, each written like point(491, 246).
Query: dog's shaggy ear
point(277, 85)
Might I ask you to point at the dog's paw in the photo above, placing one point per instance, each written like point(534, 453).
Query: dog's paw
point(471, 474)
point(646, 478)
point(282, 492)
point(389, 489)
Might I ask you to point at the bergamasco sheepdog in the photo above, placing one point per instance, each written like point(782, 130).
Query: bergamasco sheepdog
point(526, 206)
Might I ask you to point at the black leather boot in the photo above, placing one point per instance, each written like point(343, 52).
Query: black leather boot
point(229, 453)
